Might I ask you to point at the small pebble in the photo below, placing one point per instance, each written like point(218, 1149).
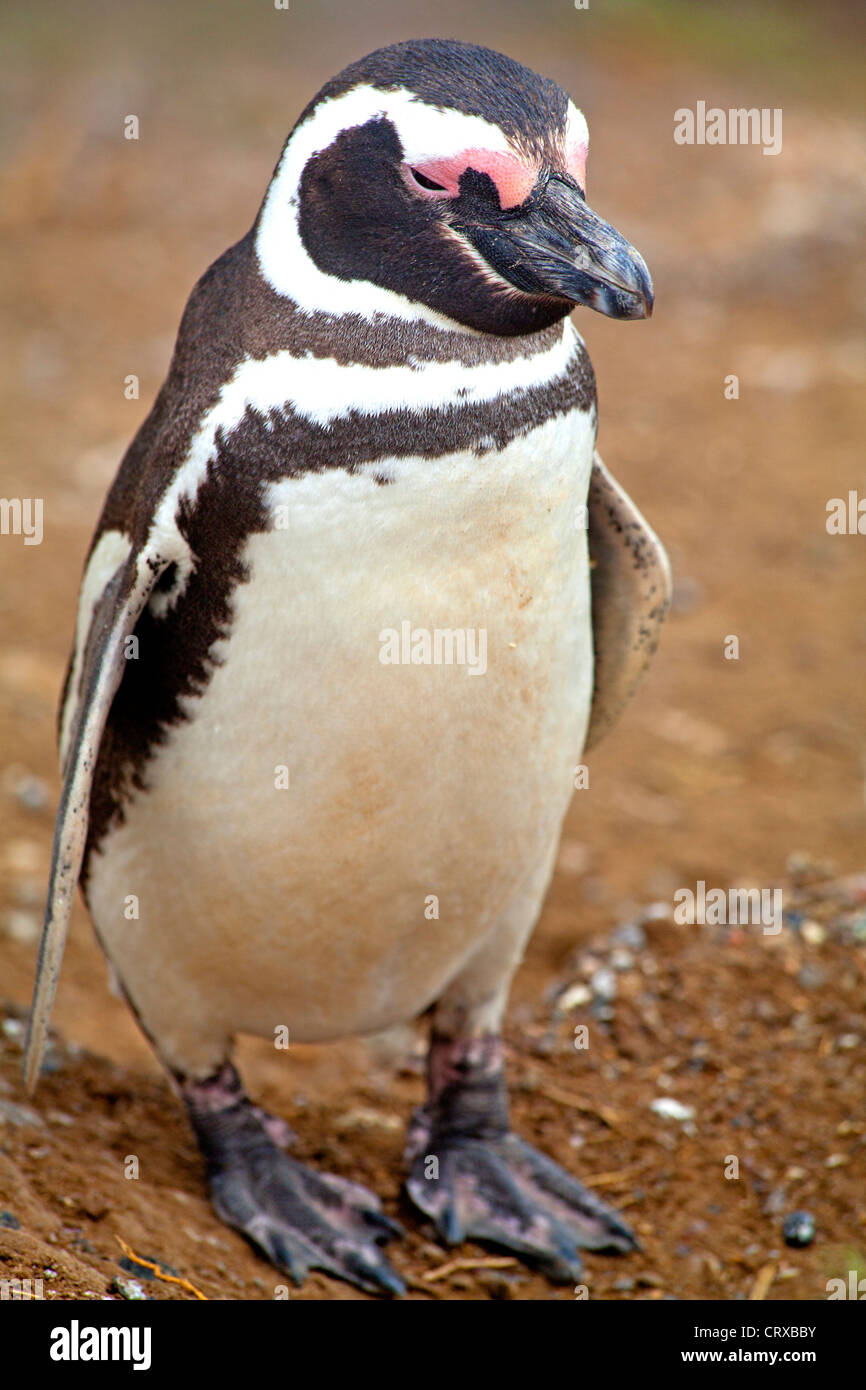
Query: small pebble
point(603, 1013)
point(9, 1221)
point(604, 985)
point(574, 997)
point(814, 934)
point(621, 958)
point(798, 1229)
point(857, 927)
point(31, 793)
point(775, 1202)
point(765, 1009)
point(671, 1109)
point(129, 1289)
point(13, 1114)
point(630, 935)
point(811, 976)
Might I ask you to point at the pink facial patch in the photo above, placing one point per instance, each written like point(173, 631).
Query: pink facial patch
point(513, 177)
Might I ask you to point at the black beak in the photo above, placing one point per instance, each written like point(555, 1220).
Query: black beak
point(559, 248)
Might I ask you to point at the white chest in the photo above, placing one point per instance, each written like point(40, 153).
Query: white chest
point(318, 796)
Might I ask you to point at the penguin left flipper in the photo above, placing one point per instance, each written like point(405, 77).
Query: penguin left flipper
point(115, 614)
point(631, 595)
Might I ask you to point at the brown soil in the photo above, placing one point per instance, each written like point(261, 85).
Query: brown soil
point(721, 770)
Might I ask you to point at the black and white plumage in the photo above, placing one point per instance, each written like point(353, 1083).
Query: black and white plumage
point(378, 410)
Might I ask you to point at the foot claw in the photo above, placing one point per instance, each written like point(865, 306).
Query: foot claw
point(383, 1226)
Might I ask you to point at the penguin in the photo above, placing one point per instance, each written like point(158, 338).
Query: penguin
point(359, 597)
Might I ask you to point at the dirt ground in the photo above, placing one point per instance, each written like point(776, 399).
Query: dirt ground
point(738, 773)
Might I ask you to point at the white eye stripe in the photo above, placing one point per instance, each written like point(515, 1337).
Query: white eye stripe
point(425, 131)
point(576, 134)
point(576, 128)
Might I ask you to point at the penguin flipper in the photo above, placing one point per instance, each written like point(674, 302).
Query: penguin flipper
point(631, 594)
point(114, 617)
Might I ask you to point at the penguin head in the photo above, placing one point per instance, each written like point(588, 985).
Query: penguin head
point(441, 181)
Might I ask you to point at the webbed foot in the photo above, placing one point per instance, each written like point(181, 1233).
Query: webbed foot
point(298, 1218)
point(476, 1179)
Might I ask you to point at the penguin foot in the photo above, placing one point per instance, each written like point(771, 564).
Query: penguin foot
point(298, 1218)
point(476, 1179)
point(508, 1193)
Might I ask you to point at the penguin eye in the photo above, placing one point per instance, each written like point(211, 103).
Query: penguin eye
point(428, 184)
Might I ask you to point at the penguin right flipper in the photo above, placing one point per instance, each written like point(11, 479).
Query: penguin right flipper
point(631, 595)
point(115, 614)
